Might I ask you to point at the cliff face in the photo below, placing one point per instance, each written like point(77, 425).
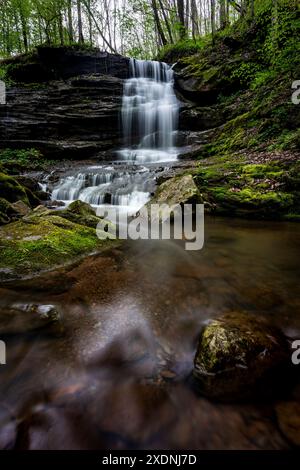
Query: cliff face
point(66, 103)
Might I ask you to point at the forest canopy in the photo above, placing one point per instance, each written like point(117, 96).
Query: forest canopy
point(130, 27)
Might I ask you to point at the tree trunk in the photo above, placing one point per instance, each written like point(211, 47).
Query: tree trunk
point(158, 23)
point(79, 15)
point(223, 16)
point(194, 18)
point(166, 21)
point(180, 10)
point(70, 21)
point(213, 17)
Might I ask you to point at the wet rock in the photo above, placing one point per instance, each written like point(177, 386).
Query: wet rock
point(178, 190)
point(11, 190)
point(5, 209)
point(239, 356)
point(288, 416)
point(64, 118)
point(80, 213)
point(29, 183)
point(23, 318)
point(42, 241)
point(20, 208)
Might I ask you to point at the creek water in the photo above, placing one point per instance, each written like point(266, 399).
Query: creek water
point(112, 371)
point(116, 376)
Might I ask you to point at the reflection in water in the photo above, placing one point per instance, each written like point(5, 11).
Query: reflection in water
point(115, 376)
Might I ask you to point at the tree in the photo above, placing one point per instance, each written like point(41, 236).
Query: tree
point(79, 19)
point(213, 17)
point(181, 18)
point(70, 21)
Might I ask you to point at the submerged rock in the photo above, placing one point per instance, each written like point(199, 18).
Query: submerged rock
point(24, 318)
point(239, 356)
point(288, 417)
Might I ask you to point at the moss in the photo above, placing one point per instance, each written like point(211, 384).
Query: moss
point(11, 190)
point(80, 213)
point(235, 355)
point(37, 242)
point(233, 187)
point(16, 160)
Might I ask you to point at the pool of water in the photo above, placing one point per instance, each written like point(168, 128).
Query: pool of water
point(116, 376)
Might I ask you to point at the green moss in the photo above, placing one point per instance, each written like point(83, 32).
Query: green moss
point(11, 190)
point(16, 160)
point(234, 187)
point(37, 242)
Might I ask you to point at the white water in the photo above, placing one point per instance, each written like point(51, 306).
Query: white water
point(149, 113)
point(103, 185)
point(149, 120)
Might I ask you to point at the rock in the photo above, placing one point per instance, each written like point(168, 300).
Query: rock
point(288, 416)
point(168, 374)
point(81, 208)
point(177, 190)
point(75, 113)
point(20, 208)
point(29, 183)
point(202, 81)
point(204, 118)
point(42, 241)
point(23, 318)
point(5, 208)
point(62, 62)
point(77, 118)
point(239, 356)
point(80, 213)
point(11, 190)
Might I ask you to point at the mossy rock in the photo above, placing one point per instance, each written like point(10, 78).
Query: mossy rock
point(261, 191)
point(80, 213)
point(4, 209)
point(239, 356)
point(39, 242)
point(171, 196)
point(11, 190)
point(178, 190)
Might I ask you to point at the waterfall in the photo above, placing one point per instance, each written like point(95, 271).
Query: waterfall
point(107, 185)
point(149, 119)
point(149, 113)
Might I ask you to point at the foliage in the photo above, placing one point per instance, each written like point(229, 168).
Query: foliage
point(14, 160)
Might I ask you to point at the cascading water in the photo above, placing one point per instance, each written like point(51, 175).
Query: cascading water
point(149, 113)
point(149, 119)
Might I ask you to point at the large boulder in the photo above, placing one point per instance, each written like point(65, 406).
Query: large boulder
point(239, 356)
point(42, 241)
point(178, 190)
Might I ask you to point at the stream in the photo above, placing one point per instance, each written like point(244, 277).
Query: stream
point(112, 372)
